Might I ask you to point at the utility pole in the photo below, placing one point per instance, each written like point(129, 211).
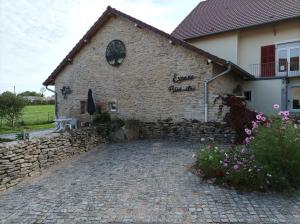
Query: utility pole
point(15, 90)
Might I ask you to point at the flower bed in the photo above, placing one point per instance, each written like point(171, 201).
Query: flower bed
point(268, 159)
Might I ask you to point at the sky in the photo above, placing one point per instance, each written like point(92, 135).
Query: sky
point(35, 35)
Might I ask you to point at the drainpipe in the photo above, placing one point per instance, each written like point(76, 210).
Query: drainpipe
point(55, 100)
point(206, 89)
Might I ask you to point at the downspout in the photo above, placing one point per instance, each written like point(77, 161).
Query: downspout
point(206, 89)
point(55, 100)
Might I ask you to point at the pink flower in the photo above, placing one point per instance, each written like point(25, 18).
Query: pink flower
point(239, 163)
point(285, 118)
point(276, 106)
point(247, 140)
point(236, 167)
point(258, 117)
point(225, 164)
point(248, 131)
point(286, 113)
point(263, 119)
point(254, 125)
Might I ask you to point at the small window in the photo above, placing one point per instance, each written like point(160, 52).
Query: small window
point(248, 95)
point(112, 106)
point(82, 107)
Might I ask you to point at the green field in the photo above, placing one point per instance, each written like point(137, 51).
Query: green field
point(36, 117)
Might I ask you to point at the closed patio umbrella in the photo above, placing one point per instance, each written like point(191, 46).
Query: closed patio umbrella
point(91, 108)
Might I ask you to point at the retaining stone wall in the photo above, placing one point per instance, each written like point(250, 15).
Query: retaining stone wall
point(187, 130)
point(20, 159)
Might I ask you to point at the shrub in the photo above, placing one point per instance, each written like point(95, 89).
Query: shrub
point(239, 116)
point(105, 124)
point(277, 149)
point(11, 107)
point(269, 159)
point(209, 161)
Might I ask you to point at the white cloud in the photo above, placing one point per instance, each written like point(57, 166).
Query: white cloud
point(35, 35)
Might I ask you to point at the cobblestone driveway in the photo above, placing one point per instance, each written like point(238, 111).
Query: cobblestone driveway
point(141, 182)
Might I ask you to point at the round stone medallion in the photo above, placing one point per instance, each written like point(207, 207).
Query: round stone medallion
point(115, 53)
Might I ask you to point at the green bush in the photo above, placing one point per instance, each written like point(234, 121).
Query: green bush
point(269, 159)
point(208, 160)
point(105, 124)
point(277, 149)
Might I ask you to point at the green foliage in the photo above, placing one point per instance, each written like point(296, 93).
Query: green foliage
point(271, 161)
point(105, 124)
point(11, 107)
point(37, 117)
point(5, 140)
point(102, 122)
point(239, 116)
point(277, 149)
point(208, 160)
point(30, 93)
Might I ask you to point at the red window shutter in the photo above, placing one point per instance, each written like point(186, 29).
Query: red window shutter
point(268, 61)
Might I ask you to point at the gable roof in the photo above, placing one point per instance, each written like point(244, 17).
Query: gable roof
point(110, 12)
point(216, 16)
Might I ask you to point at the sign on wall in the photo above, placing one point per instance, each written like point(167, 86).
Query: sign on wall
point(179, 79)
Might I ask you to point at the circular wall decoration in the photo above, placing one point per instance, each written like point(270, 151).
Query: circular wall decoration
point(115, 52)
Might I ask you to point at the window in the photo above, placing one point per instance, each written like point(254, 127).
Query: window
point(294, 59)
point(112, 106)
point(248, 95)
point(282, 60)
point(295, 97)
point(288, 58)
point(82, 107)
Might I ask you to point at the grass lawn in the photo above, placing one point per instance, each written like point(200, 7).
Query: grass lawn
point(34, 117)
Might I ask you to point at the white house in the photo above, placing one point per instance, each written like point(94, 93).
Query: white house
point(260, 36)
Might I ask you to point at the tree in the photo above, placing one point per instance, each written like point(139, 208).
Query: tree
point(11, 107)
point(2, 112)
point(30, 93)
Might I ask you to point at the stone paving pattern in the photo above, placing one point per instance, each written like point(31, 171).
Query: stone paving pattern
point(140, 182)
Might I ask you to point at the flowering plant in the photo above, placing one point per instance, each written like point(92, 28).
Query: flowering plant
point(268, 159)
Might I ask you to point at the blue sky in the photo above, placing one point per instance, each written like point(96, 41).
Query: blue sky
point(35, 35)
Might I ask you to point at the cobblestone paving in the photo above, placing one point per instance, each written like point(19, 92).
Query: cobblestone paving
point(141, 182)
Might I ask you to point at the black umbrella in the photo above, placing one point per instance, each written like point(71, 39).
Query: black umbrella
point(91, 109)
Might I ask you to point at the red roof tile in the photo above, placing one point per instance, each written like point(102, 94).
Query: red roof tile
point(216, 16)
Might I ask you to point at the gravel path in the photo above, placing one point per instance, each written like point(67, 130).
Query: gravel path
point(32, 134)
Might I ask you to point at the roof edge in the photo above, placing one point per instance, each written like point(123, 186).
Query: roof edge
point(241, 28)
point(103, 19)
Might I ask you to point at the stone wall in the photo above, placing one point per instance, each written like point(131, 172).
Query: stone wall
point(26, 158)
point(187, 130)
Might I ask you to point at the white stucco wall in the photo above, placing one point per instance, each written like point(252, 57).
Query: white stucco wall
point(251, 40)
point(243, 47)
point(223, 45)
point(265, 93)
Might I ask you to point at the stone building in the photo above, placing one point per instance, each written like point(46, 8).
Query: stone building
point(139, 72)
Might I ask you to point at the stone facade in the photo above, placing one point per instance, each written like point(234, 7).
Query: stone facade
point(194, 131)
point(26, 158)
point(139, 86)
